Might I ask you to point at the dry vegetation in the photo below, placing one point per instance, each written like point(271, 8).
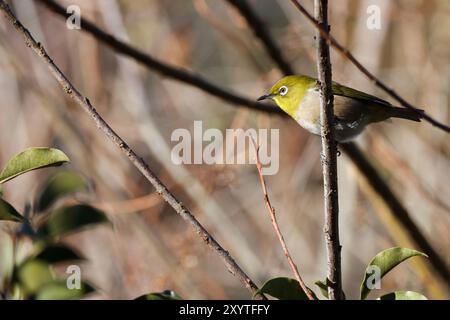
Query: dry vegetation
point(150, 248)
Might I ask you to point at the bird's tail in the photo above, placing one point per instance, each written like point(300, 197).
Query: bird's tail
point(404, 113)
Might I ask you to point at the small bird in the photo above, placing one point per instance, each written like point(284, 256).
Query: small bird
point(299, 97)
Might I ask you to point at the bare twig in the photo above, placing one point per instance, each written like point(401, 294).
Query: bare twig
point(405, 174)
point(225, 28)
point(138, 162)
point(261, 32)
point(391, 200)
point(329, 157)
point(396, 207)
point(162, 68)
point(352, 150)
point(275, 225)
point(347, 54)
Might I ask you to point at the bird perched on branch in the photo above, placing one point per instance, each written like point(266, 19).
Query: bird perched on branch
point(299, 97)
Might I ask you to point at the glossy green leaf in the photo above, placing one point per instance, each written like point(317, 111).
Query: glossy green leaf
point(71, 219)
point(58, 253)
point(7, 212)
point(385, 261)
point(323, 287)
point(58, 290)
point(33, 274)
point(59, 185)
point(284, 289)
point(165, 295)
point(32, 159)
point(403, 295)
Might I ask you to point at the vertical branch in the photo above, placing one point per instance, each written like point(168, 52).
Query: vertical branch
point(351, 149)
point(329, 156)
point(133, 157)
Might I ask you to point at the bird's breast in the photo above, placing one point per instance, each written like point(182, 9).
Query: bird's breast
point(308, 112)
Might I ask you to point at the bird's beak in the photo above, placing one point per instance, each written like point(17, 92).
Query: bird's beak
point(266, 96)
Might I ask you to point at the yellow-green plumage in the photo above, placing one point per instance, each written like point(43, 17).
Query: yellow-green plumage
point(298, 96)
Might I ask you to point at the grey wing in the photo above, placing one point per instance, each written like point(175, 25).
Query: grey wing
point(348, 111)
point(349, 120)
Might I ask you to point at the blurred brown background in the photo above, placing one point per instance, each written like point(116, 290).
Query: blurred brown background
point(150, 248)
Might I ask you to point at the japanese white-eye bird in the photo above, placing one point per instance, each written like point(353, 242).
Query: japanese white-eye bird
point(299, 97)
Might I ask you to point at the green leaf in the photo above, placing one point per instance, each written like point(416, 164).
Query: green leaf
point(71, 219)
point(284, 289)
point(385, 261)
point(7, 212)
point(59, 185)
point(32, 159)
point(403, 295)
point(58, 290)
point(165, 295)
point(33, 274)
point(58, 253)
point(323, 286)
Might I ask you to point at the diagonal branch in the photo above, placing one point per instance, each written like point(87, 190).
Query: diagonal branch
point(396, 207)
point(138, 162)
point(273, 218)
point(172, 72)
point(347, 54)
point(261, 32)
point(329, 157)
point(386, 193)
point(351, 149)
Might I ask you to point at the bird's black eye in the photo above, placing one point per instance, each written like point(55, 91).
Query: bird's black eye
point(283, 90)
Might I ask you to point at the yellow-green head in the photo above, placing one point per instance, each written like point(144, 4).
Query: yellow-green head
point(289, 92)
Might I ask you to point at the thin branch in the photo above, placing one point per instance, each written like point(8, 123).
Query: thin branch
point(388, 196)
point(396, 207)
point(347, 54)
point(406, 175)
point(226, 29)
point(261, 32)
point(362, 163)
point(329, 157)
point(275, 225)
point(137, 161)
point(162, 68)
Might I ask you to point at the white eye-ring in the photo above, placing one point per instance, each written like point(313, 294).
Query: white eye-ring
point(283, 90)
